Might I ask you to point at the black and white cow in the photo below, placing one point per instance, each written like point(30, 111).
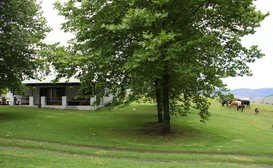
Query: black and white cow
point(246, 103)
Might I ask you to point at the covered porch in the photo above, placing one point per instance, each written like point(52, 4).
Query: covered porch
point(59, 95)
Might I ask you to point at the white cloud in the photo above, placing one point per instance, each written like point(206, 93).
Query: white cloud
point(262, 68)
point(54, 21)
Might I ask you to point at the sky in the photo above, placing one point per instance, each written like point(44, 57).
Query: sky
point(261, 69)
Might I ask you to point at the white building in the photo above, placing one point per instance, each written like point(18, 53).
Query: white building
point(64, 94)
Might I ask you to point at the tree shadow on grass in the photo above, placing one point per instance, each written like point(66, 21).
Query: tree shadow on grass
point(156, 129)
point(6, 116)
point(142, 123)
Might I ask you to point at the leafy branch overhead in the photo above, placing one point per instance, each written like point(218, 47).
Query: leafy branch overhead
point(22, 29)
point(165, 50)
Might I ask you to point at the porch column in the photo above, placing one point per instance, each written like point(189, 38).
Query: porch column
point(64, 102)
point(102, 101)
point(31, 101)
point(43, 101)
point(12, 100)
point(93, 102)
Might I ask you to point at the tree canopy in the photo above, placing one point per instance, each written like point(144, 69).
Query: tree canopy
point(174, 52)
point(22, 29)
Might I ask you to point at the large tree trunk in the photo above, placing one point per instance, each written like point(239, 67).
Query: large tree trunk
point(166, 116)
point(159, 100)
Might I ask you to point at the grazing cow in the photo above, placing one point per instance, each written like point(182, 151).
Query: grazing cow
point(242, 107)
point(225, 102)
point(238, 104)
point(257, 110)
point(246, 103)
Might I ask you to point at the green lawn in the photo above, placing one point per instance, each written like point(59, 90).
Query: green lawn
point(124, 137)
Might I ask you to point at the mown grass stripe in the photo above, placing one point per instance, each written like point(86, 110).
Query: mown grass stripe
point(122, 154)
point(196, 162)
point(128, 150)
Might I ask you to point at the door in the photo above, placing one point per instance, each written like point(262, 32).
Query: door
point(53, 94)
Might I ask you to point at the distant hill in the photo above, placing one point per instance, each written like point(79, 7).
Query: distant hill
point(253, 94)
point(264, 100)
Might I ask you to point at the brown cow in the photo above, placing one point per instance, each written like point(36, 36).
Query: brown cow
point(238, 104)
